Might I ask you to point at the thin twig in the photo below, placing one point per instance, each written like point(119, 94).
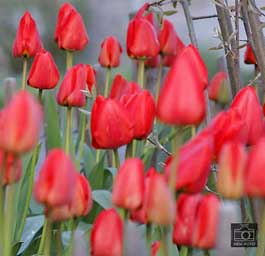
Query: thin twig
point(157, 144)
point(204, 17)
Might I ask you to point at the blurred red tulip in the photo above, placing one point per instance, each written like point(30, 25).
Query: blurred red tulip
point(11, 166)
point(130, 196)
point(91, 77)
point(27, 42)
point(70, 93)
point(159, 201)
point(20, 123)
point(194, 161)
point(70, 32)
point(231, 170)
point(181, 100)
point(247, 104)
point(111, 126)
point(55, 185)
point(249, 57)
point(110, 52)
point(153, 62)
point(141, 108)
point(44, 73)
point(107, 243)
point(155, 248)
point(121, 86)
point(218, 88)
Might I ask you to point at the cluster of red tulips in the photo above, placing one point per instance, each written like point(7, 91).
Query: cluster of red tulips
point(174, 200)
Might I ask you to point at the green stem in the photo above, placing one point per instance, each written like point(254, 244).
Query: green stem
point(206, 253)
point(73, 226)
point(193, 131)
point(107, 83)
point(69, 59)
point(159, 76)
point(48, 233)
point(43, 236)
point(40, 95)
point(261, 235)
point(2, 204)
point(165, 241)
point(29, 192)
point(8, 225)
point(116, 158)
point(149, 235)
point(97, 155)
point(24, 73)
point(68, 130)
point(59, 240)
point(140, 74)
point(82, 140)
point(129, 150)
point(184, 251)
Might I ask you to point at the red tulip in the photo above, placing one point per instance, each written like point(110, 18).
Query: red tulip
point(181, 100)
point(107, 243)
point(110, 52)
point(231, 168)
point(153, 62)
point(70, 32)
point(11, 166)
point(247, 103)
point(44, 73)
point(55, 185)
point(111, 126)
point(218, 88)
point(194, 161)
point(249, 57)
point(91, 77)
point(130, 196)
point(255, 178)
point(20, 123)
point(121, 86)
point(27, 42)
point(205, 229)
point(186, 210)
point(155, 248)
point(70, 93)
point(167, 38)
point(141, 108)
point(159, 201)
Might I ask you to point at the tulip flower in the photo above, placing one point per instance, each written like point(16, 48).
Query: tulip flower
point(109, 243)
point(159, 201)
point(111, 126)
point(254, 178)
point(55, 185)
point(121, 86)
point(194, 160)
point(44, 73)
point(249, 57)
point(20, 123)
point(91, 77)
point(70, 93)
point(186, 213)
point(27, 42)
point(70, 32)
point(167, 38)
point(155, 248)
point(207, 217)
point(141, 108)
point(247, 104)
point(110, 52)
point(11, 166)
point(130, 196)
point(218, 88)
point(153, 62)
point(181, 100)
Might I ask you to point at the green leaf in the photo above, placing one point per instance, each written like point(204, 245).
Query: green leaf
point(89, 157)
point(102, 197)
point(169, 13)
point(52, 127)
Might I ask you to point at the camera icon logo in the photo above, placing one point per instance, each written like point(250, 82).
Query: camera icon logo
point(244, 235)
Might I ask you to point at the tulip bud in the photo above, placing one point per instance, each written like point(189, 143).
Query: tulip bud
point(141, 108)
point(107, 243)
point(248, 106)
point(218, 88)
point(70, 32)
point(249, 57)
point(70, 93)
point(159, 201)
point(20, 123)
point(110, 52)
point(11, 166)
point(44, 73)
point(91, 77)
point(231, 168)
point(121, 86)
point(155, 248)
point(56, 181)
point(27, 42)
point(130, 196)
point(181, 100)
point(111, 126)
